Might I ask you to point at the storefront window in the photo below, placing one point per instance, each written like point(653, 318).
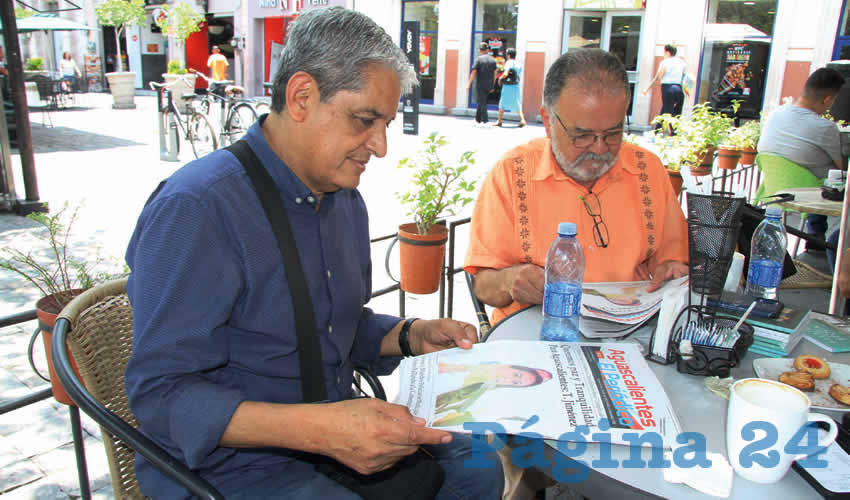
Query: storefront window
point(736, 49)
point(494, 22)
point(427, 13)
point(842, 41)
point(625, 40)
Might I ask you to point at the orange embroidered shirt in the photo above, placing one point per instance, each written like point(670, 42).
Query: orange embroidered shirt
point(526, 195)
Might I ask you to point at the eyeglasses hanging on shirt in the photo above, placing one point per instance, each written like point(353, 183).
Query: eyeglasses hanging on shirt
point(594, 209)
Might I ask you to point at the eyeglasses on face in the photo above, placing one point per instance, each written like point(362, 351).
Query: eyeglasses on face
point(584, 140)
point(594, 210)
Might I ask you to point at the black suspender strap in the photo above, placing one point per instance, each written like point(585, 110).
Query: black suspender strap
point(309, 350)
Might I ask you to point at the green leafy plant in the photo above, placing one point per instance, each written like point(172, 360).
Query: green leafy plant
point(439, 189)
point(33, 64)
point(175, 67)
point(180, 21)
point(60, 272)
point(698, 133)
point(826, 114)
point(745, 136)
point(21, 13)
point(119, 14)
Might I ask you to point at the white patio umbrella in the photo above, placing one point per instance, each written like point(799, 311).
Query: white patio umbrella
point(48, 23)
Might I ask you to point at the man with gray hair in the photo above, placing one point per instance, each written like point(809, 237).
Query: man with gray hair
point(214, 377)
point(630, 225)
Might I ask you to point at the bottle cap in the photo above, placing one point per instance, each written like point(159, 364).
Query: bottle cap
point(567, 229)
point(774, 211)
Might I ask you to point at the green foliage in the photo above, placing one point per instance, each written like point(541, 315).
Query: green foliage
point(22, 13)
point(33, 64)
point(60, 271)
point(175, 67)
point(180, 21)
point(120, 14)
point(438, 189)
point(826, 114)
point(695, 135)
point(745, 136)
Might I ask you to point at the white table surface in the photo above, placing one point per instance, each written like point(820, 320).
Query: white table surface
point(698, 410)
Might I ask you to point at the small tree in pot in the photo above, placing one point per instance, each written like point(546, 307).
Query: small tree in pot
point(439, 189)
point(119, 14)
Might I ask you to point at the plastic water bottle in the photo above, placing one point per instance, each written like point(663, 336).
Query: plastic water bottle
point(562, 292)
point(767, 254)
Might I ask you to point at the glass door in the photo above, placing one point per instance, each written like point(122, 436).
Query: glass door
point(615, 31)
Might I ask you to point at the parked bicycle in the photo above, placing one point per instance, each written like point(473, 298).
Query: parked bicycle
point(194, 127)
point(235, 114)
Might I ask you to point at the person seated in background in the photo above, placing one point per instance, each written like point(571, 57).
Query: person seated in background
point(214, 377)
point(630, 225)
point(70, 72)
point(799, 133)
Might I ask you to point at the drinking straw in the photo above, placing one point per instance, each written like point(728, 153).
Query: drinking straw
point(744, 317)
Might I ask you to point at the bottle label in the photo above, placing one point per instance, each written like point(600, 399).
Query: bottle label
point(765, 273)
point(562, 300)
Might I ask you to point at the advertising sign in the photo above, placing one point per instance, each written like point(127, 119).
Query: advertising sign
point(410, 45)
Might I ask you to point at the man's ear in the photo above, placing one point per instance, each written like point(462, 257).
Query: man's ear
point(544, 115)
point(302, 93)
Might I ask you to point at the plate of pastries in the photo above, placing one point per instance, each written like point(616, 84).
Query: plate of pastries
point(827, 384)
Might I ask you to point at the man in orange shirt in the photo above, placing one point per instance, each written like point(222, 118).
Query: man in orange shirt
point(630, 225)
point(217, 64)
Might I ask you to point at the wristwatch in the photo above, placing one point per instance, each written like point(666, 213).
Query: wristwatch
point(404, 338)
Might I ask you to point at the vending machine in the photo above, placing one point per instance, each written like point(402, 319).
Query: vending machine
point(737, 73)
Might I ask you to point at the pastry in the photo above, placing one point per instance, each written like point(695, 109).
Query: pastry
point(812, 364)
point(840, 394)
point(801, 380)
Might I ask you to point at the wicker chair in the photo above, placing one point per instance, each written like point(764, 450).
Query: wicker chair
point(98, 328)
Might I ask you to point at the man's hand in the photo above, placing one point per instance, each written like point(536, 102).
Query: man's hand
point(526, 284)
point(666, 271)
point(439, 334)
point(370, 435)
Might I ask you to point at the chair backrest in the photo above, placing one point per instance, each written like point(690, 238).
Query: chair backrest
point(483, 320)
point(45, 86)
point(101, 340)
point(779, 173)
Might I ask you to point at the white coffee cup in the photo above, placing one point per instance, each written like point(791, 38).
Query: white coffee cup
point(775, 405)
point(835, 178)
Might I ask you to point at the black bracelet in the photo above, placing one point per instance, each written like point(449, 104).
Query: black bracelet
point(404, 338)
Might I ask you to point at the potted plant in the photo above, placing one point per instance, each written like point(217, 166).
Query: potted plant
point(60, 276)
point(181, 82)
point(119, 14)
point(746, 138)
point(438, 189)
point(701, 133)
point(33, 64)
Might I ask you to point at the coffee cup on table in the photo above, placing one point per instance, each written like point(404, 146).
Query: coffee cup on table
point(762, 417)
point(835, 179)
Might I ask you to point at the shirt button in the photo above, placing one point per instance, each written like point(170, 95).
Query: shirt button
point(330, 329)
point(338, 380)
point(329, 273)
point(311, 199)
point(298, 200)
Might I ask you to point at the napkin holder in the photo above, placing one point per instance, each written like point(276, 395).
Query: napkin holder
point(709, 360)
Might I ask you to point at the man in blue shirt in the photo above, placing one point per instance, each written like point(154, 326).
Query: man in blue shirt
point(214, 374)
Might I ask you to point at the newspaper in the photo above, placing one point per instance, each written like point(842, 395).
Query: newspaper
point(547, 388)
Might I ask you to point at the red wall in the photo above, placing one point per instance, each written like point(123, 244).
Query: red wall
point(450, 80)
point(532, 88)
point(197, 52)
point(796, 74)
point(273, 32)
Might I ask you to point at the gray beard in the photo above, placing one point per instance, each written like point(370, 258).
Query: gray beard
point(601, 164)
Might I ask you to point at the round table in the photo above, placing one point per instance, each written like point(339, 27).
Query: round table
point(698, 410)
point(809, 201)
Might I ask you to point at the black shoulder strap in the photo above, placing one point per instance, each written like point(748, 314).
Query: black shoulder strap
point(309, 350)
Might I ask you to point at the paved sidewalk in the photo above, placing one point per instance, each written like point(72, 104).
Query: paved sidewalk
point(107, 160)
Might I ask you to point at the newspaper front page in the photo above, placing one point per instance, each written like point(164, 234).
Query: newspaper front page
point(549, 388)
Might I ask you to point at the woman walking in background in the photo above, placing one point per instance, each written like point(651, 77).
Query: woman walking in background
point(510, 98)
point(670, 73)
point(70, 72)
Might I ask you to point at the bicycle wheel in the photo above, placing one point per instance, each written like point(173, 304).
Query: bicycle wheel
point(240, 118)
point(201, 135)
point(262, 108)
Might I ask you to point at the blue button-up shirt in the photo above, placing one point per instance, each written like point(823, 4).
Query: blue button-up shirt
point(212, 314)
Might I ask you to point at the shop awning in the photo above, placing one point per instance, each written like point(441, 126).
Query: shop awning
point(47, 22)
point(733, 33)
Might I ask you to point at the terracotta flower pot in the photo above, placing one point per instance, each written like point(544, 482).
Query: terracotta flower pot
point(47, 312)
point(421, 257)
point(727, 157)
point(706, 160)
point(675, 180)
point(748, 156)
